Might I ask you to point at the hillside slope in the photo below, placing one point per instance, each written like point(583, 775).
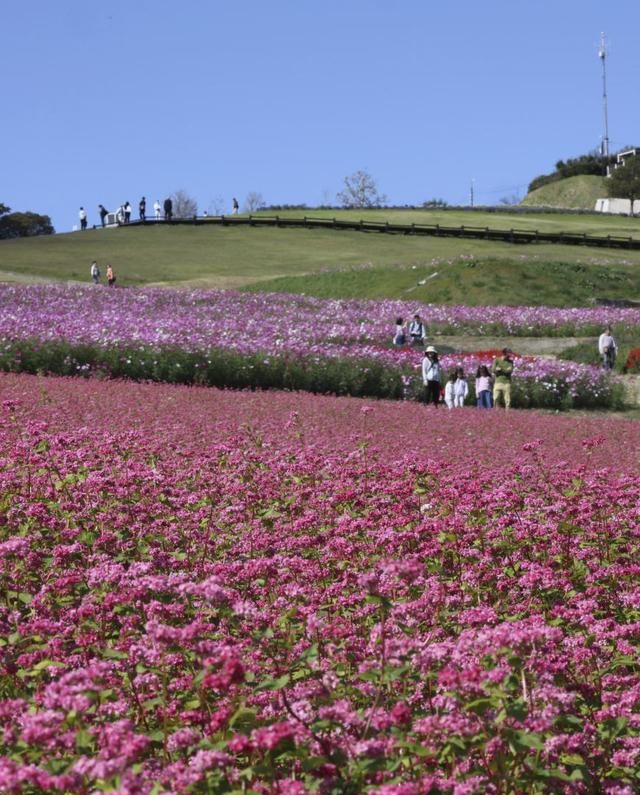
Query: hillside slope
point(341, 263)
point(573, 193)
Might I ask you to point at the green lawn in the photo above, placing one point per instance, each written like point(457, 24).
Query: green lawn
point(522, 281)
point(580, 192)
point(348, 263)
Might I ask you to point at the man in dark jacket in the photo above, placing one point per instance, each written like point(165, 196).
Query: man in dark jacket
point(168, 209)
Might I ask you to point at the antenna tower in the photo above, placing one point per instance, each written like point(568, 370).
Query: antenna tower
point(602, 54)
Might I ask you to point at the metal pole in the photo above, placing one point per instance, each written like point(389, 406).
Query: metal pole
point(602, 54)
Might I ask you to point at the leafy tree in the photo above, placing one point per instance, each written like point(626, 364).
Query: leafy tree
point(591, 163)
point(360, 190)
point(254, 201)
point(184, 205)
point(624, 182)
point(435, 203)
point(23, 224)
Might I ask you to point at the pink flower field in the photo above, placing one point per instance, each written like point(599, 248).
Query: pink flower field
point(251, 592)
point(138, 327)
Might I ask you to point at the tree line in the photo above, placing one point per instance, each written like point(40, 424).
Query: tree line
point(25, 224)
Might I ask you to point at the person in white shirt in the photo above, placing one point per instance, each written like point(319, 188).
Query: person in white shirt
point(607, 348)
point(83, 218)
point(449, 395)
point(157, 207)
point(431, 375)
point(460, 389)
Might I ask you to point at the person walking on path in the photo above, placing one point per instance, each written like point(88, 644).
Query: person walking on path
point(235, 206)
point(483, 388)
point(111, 277)
point(157, 207)
point(431, 376)
point(502, 369)
point(142, 208)
point(83, 219)
point(103, 213)
point(168, 209)
point(607, 348)
point(95, 272)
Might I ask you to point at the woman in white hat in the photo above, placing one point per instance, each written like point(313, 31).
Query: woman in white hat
point(431, 375)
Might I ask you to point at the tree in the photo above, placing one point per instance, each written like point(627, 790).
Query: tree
point(254, 201)
point(216, 206)
point(624, 183)
point(184, 205)
point(360, 190)
point(23, 224)
point(435, 203)
point(510, 200)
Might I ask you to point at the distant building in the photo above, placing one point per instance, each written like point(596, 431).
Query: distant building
point(619, 206)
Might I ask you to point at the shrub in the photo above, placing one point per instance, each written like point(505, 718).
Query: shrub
point(632, 362)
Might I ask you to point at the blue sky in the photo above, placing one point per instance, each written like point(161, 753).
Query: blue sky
point(108, 101)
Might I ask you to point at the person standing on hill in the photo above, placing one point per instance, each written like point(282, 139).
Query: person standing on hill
point(168, 209)
point(103, 213)
point(142, 208)
point(111, 277)
point(235, 206)
point(83, 219)
point(156, 209)
point(127, 212)
point(607, 348)
point(502, 369)
point(95, 272)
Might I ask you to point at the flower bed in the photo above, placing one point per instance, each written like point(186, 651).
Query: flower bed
point(238, 340)
point(294, 608)
point(196, 319)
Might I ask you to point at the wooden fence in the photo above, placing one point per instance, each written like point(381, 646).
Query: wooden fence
point(387, 227)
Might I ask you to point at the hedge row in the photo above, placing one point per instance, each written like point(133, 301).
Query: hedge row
point(229, 369)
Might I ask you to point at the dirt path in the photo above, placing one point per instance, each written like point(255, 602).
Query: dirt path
point(527, 346)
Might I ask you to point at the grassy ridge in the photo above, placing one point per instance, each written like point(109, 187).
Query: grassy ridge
point(579, 192)
point(327, 262)
point(521, 281)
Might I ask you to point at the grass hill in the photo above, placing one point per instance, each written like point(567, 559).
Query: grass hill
point(576, 193)
point(349, 263)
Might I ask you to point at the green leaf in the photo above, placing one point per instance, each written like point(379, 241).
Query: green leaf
point(275, 684)
point(243, 719)
point(48, 664)
point(529, 740)
point(114, 654)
